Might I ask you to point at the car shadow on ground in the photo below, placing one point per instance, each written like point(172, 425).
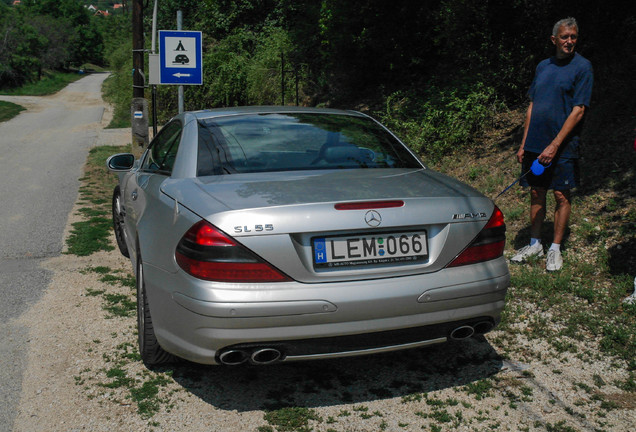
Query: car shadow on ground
point(341, 381)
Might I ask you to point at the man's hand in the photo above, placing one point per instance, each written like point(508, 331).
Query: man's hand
point(520, 154)
point(547, 155)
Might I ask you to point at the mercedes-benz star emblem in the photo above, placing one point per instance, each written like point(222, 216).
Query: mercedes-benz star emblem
point(373, 218)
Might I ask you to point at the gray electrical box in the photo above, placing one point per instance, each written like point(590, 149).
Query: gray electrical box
point(154, 74)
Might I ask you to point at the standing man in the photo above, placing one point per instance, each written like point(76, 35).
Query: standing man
point(559, 96)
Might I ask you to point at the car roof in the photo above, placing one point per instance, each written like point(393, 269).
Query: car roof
point(223, 112)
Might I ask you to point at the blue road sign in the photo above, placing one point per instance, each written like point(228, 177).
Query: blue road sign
point(180, 57)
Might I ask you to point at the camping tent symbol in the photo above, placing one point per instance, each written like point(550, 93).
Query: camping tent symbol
point(181, 58)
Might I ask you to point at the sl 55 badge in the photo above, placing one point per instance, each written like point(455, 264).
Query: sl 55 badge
point(255, 228)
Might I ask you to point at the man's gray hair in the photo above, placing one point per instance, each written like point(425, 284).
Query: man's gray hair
point(567, 22)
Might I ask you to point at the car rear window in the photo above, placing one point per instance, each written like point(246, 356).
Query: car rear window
point(296, 141)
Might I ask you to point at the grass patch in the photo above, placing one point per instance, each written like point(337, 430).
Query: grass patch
point(120, 305)
point(51, 82)
point(94, 293)
point(147, 396)
point(119, 378)
point(88, 237)
point(560, 426)
point(116, 304)
point(583, 300)
point(126, 280)
point(92, 234)
point(116, 91)
point(441, 416)
point(480, 389)
point(291, 419)
point(118, 382)
point(9, 110)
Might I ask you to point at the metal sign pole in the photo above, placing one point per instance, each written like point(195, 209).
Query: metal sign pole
point(154, 86)
point(282, 78)
point(180, 91)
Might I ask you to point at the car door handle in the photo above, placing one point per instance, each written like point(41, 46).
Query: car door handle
point(133, 195)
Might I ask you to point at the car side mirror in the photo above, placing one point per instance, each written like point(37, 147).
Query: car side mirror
point(120, 162)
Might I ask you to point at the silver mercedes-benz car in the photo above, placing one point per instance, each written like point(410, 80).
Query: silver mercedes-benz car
point(270, 234)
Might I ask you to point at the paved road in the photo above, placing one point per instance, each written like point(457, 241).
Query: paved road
point(42, 152)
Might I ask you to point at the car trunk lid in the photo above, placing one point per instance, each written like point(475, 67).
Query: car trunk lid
point(285, 217)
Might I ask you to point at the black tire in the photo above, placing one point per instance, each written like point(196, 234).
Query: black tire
point(118, 223)
point(151, 352)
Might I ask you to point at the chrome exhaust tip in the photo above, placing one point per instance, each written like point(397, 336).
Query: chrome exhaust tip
point(463, 332)
point(233, 357)
point(483, 327)
point(265, 356)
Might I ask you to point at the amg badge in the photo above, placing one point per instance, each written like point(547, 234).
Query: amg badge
point(469, 215)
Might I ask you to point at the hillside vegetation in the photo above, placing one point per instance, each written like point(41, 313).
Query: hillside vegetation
point(438, 72)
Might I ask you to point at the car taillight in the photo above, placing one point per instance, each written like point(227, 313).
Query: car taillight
point(207, 253)
point(488, 245)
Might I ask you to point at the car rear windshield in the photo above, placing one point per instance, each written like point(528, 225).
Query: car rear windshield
point(296, 141)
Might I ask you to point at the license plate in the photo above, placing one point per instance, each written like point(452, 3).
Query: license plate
point(371, 249)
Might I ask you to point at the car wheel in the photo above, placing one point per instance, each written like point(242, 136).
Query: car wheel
point(118, 223)
point(151, 352)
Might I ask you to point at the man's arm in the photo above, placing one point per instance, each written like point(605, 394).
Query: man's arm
point(525, 133)
point(573, 119)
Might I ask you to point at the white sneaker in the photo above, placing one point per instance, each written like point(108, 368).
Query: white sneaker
point(526, 252)
point(554, 261)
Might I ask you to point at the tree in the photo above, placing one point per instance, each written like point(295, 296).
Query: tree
point(20, 45)
point(85, 42)
point(57, 39)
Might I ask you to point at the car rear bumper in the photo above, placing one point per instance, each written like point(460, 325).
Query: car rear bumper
point(311, 321)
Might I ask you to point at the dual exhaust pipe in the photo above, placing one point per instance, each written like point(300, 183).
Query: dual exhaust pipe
point(268, 355)
point(466, 331)
point(258, 356)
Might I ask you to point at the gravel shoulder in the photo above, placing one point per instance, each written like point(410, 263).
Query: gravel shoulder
point(83, 374)
point(73, 345)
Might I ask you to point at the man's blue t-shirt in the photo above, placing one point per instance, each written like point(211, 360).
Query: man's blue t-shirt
point(558, 86)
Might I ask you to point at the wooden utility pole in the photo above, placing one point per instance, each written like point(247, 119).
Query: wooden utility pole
point(139, 105)
point(138, 48)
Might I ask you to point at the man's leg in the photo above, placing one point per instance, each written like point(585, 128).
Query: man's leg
point(537, 211)
point(561, 214)
point(537, 214)
point(554, 261)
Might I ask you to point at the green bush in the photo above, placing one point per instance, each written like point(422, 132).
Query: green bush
point(225, 68)
point(264, 74)
point(117, 88)
point(441, 120)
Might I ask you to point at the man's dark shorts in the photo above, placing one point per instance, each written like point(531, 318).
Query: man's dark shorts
point(561, 175)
